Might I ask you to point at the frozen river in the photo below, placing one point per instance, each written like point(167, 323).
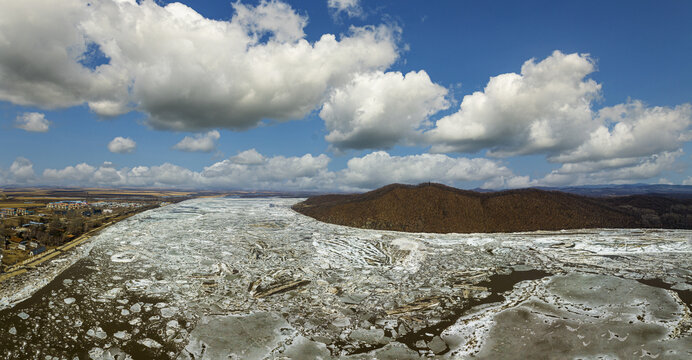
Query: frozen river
point(251, 279)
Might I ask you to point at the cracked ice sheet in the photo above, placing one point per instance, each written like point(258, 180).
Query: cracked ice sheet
point(578, 316)
point(250, 337)
point(209, 258)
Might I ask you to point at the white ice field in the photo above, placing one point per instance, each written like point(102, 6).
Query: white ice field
point(252, 279)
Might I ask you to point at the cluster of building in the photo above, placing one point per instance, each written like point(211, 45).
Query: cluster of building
point(67, 205)
point(71, 205)
point(115, 204)
point(7, 212)
point(33, 247)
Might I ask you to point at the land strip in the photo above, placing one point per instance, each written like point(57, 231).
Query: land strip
point(34, 261)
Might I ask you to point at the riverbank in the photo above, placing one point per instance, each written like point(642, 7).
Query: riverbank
point(21, 280)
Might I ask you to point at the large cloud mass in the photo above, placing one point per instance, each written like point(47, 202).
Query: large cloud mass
point(377, 110)
point(190, 73)
point(546, 108)
point(185, 71)
point(41, 45)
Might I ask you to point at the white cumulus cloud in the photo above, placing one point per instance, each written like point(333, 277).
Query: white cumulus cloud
point(21, 171)
point(380, 168)
point(247, 170)
point(40, 49)
point(122, 145)
point(199, 143)
point(185, 71)
point(612, 171)
point(248, 157)
point(79, 173)
point(633, 130)
point(378, 109)
point(548, 109)
point(251, 170)
point(545, 109)
point(32, 122)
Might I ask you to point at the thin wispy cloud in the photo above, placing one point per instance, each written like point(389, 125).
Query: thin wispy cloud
point(351, 8)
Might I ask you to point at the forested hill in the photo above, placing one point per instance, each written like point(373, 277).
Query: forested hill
point(438, 208)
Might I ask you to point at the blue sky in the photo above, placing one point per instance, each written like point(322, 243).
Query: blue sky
point(490, 94)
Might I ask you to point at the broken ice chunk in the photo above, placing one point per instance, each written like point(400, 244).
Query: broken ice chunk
point(152, 344)
point(437, 345)
point(368, 336)
point(168, 312)
point(96, 353)
point(135, 308)
point(681, 286)
point(353, 298)
point(111, 294)
point(341, 322)
point(97, 333)
point(122, 335)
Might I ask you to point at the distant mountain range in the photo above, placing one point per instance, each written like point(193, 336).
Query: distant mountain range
point(431, 207)
point(684, 191)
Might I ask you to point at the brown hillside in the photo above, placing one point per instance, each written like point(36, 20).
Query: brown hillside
point(442, 209)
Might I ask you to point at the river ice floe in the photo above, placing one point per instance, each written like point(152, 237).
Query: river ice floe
point(251, 279)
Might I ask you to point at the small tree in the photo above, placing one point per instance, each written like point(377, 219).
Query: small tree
point(75, 226)
point(43, 237)
point(55, 227)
